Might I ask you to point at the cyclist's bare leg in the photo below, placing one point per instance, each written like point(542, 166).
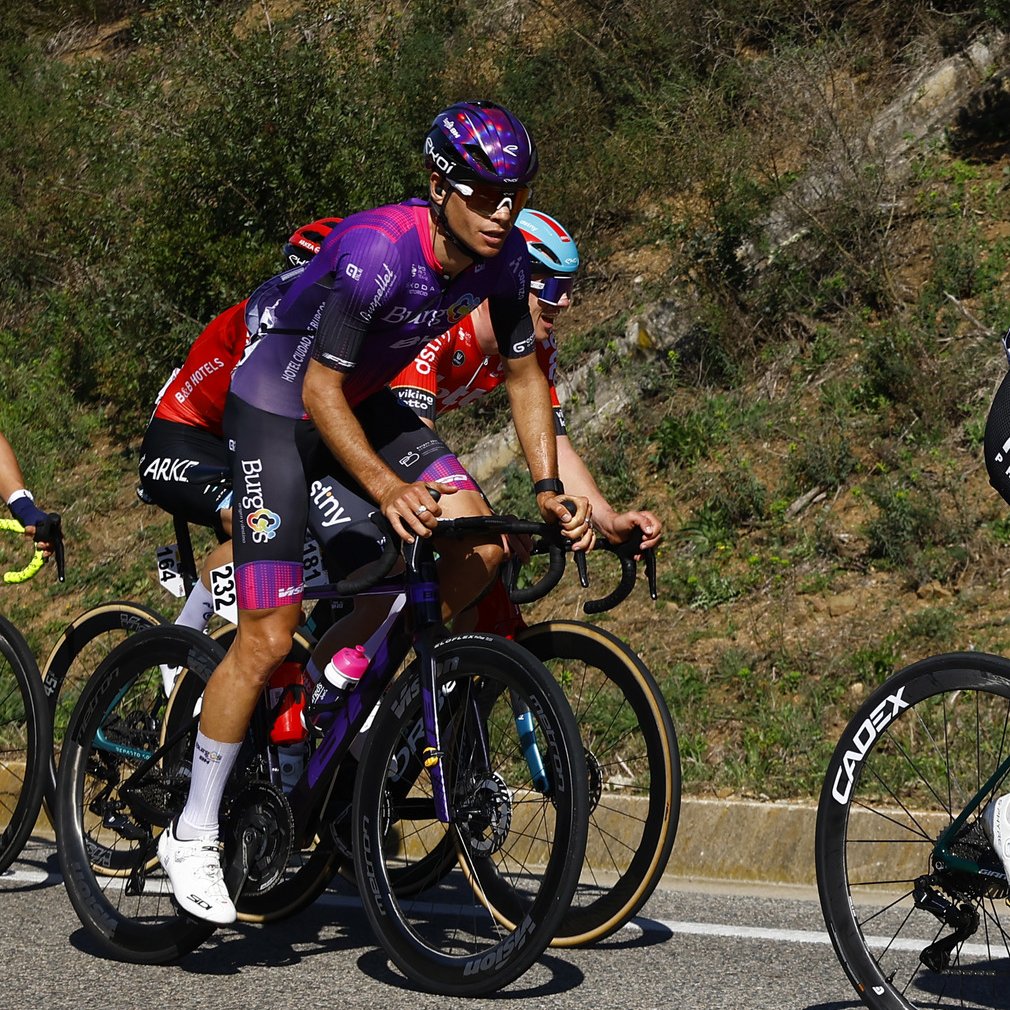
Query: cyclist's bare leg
point(466, 567)
point(220, 555)
point(262, 641)
point(187, 849)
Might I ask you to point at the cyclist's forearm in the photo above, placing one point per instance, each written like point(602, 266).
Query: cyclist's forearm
point(12, 487)
point(578, 480)
point(532, 416)
point(11, 478)
point(341, 430)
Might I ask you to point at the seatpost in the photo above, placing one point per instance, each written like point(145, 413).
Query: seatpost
point(187, 560)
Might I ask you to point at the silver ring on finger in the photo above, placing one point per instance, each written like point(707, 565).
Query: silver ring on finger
point(420, 510)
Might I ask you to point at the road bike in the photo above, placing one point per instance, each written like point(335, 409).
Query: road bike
point(84, 643)
point(91, 636)
point(630, 742)
point(25, 731)
point(627, 730)
point(912, 893)
point(466, 814)
point(632, 758)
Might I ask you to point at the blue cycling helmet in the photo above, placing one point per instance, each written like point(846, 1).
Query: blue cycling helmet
point(552, 249)
point(481, 142)
point(554, 257)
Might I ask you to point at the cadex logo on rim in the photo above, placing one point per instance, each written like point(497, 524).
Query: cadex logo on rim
point(264, 524)
point(871, 727)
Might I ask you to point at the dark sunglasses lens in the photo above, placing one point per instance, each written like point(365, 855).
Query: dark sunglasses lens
point(554, 289)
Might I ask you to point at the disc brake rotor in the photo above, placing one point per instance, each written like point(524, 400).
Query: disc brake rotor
point(487, 815)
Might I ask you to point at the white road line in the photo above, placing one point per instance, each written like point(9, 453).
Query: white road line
point(641, 925)
point(798, 936)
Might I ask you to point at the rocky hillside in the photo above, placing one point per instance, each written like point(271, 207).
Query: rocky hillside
point(793, 220)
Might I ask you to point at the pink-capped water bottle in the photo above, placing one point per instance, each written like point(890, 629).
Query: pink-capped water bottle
point(340, 677)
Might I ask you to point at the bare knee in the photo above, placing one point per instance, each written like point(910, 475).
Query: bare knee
point(492, 554)
point(260, 646)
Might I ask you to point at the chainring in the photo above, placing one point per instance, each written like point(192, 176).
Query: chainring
point(258, 828)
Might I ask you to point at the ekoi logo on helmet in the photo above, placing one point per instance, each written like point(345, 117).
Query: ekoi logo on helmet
point(264, 524)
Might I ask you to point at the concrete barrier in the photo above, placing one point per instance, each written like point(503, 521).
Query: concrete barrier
point(728, 840)
point(745, 841)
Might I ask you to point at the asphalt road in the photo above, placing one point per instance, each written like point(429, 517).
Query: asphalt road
point(692, 948)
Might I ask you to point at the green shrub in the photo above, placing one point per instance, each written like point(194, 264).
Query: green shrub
point(823, 458)
point(904, 520)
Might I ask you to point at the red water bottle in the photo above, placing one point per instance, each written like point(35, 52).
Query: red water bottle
point(287, 690)
point(340, 677)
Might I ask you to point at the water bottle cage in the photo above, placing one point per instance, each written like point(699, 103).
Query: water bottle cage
point(314, 709)
point(296, 692)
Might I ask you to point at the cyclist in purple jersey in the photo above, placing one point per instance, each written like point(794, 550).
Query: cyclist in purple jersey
point(372, 297)
point(309, 408)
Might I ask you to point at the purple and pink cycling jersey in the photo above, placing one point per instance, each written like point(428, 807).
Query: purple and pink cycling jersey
point(365, 305)
point(370, 299)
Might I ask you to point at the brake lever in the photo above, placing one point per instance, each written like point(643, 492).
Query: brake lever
point(51, 531)
point(581, 565)
point(650, 571)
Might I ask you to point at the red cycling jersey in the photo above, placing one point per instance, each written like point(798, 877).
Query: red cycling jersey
point(452, 370)
point(196, 394)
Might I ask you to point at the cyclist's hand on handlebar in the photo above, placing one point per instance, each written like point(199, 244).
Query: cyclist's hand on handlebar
point(40, 527)
point(48, 536)
point(624, 524)
point(412, 510)
point(575, 525)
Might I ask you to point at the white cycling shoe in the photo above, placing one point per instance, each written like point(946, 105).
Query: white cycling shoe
point(996, 824)
point(194, 871)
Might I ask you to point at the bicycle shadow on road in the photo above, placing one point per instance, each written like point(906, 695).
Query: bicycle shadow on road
point(230, 951)
point(32, 872)
point(640, 932)
point(989, 990)
point(562, 977)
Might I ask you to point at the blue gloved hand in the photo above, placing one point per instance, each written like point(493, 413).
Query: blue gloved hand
point(27, 512)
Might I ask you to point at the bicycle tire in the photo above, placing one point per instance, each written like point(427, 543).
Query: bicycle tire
point(631, 748)
point(113, 731)
point(919, 749)
point(599, 673)
point(25, 742)
point(499, 817)
point(309, 871)
point(85, 642)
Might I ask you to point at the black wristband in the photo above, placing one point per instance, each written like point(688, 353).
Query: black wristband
point(552, 484)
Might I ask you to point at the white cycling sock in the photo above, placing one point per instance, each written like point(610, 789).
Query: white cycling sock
point(212, 764)
point(196, 614)
point(199, 608)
